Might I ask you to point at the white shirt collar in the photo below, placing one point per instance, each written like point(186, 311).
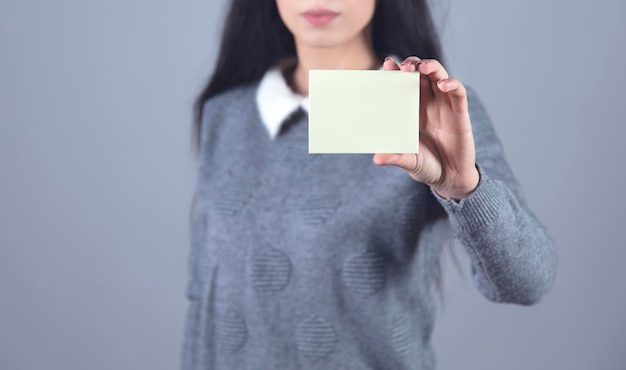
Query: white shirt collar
point(276, 101)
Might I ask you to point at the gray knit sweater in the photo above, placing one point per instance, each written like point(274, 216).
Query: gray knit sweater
point(303, 261)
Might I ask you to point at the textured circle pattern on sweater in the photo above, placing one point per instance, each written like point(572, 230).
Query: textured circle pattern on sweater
point(232, 201)
point(231, 331)
point(364, 273)
point(317, 209)
point(415, 211)
point(401, 337)
point(316, 338)
point(270, 270)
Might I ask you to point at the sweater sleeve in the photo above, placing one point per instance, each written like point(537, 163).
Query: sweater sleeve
point(513, 256)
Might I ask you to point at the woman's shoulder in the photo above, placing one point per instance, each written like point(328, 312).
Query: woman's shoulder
point(231, 99)
point(476, 108)
point(227, 110)
point(472, 95)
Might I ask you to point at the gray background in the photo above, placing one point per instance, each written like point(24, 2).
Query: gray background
point(96, 176)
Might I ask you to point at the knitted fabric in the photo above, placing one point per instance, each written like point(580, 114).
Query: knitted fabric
point(303, 261)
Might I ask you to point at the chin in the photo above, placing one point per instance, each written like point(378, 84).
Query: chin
point(321, 40)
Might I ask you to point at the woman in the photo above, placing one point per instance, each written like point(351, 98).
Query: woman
point(326, 261)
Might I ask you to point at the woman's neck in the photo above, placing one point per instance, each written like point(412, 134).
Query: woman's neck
point(356, 55)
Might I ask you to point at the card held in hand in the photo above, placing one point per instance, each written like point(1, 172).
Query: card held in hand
point(363, 111)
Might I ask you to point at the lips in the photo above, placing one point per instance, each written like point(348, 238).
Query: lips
point(319, 17)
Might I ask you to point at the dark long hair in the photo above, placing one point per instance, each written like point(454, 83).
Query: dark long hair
point(255, 39)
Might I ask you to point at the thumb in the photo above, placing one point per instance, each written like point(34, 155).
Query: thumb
point(408, 162)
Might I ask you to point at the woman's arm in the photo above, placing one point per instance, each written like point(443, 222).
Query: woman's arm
point(462, 160)
point(513, 256)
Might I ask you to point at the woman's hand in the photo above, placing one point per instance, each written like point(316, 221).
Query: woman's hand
point(446, 158)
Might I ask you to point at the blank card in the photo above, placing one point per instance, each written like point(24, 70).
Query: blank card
point(359, 111)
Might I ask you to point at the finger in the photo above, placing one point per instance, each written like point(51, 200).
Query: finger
point(456, 93)
point(390, 65)
point(426, 89)
point(410, 64)
point(433, 69)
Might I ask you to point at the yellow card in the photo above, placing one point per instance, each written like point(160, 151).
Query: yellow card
point(358, 111)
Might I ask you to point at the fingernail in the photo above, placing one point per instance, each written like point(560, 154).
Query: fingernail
point(387, 58)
